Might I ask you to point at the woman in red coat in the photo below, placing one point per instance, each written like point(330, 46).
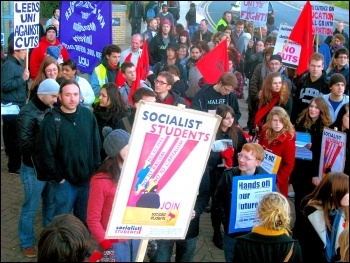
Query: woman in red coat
point(278, 137)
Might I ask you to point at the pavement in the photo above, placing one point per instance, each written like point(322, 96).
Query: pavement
point(12, 200)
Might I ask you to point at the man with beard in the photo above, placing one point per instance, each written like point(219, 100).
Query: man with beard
point(193, 73)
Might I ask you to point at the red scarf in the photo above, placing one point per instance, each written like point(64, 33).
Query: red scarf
point(266, 109)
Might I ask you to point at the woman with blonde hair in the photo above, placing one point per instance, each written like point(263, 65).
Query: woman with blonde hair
point(278, 137)
point(344, 245)
point(269, 240)
point(49, 69)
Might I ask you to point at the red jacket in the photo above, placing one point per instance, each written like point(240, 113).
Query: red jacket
point(283, 146)
point(39, 53)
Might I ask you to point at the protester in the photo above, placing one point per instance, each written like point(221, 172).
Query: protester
point(103, 188)
point(174, 10)
point(203, 33)
point(341, 60)
point(269, 240)
point(66, 239)
point(339, 30)
point(219, 160)
point(278, 137)
point(136, 17)
point(55, 15)
point(134, 50)
point(249, 160)
point(151, 31)
point(325, 217)
point(151, 9)
point(338, 41)
point(196, 53)
point(184, 55)
point(184, 38)
point(14, 78)
point(165, 14)
point(341, 123)
point(344, 245)
point(191, 20)
point(304, 177)
point(179, 85)
point(225, 20)
point(68, 151)
point(28, 124)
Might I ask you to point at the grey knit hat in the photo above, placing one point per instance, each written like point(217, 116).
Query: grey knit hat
point(335, 78)
point(48, 86)
point(115, 140)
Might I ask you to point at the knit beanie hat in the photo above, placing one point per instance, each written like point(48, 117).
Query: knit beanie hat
point(54, 51)
point(51, 27)
point(276, 57)
point(165, 21)
point(48, 86)
point(335, 78)
point(115, 140)
point(173, 45)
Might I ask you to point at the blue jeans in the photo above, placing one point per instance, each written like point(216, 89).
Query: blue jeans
point(185, 249)
point(126, 251)
point(33, 191)
point(192, 29)
point(229, 245)
point(70, 197)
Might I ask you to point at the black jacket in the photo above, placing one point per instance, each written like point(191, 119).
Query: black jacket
point(157, 48)
point(13, 86)
point(75, 155)
point(28, 126)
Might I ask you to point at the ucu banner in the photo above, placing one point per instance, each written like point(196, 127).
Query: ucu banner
point(83, 23)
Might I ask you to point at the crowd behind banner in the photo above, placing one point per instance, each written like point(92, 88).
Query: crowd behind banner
point(68, 137)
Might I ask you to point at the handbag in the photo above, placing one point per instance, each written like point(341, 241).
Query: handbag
point(289, 253)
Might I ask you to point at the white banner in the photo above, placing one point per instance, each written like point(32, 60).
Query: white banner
point(322, 19)
point(256, 11)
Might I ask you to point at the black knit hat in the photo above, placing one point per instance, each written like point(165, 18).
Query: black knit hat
point(276, 57)
point(335, 78)
point(51, 27)
point(174, 46)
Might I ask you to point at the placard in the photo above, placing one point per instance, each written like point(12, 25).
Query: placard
point(271, 162)
point(301, 152)
point(255, 11)
point(333, 150)
point(247, 190)
point(162, 172)
point(322, 19)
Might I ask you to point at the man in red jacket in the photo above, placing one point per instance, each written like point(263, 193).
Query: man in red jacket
point(39, 53)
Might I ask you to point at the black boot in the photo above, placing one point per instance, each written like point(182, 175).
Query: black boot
point(217, 238)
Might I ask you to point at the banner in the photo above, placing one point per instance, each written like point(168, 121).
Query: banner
point(247, 191)
point(289, 50)
point(271, 162)
point(333, 150)
point(26, 24)
point(322, 19)
point(87, 29)
point(301, 152)
point(256, 11)
point(162, 172)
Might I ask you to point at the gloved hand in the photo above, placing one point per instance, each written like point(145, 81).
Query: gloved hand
point(227, 155)
point(108, 255)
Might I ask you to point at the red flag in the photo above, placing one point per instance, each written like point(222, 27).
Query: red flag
point(214, 63)
point(120, 78)
point(142, 69)
point(302, 34)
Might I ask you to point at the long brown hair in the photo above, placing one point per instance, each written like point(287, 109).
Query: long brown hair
point(111, 166)
point(284, 118)
point(328, 194)
point(325, 117)
point(222, 111)
point(266, 90)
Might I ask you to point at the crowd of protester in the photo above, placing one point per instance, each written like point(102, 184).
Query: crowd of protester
point(71, 136)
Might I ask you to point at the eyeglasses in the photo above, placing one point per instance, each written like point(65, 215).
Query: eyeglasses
point(51, 70)
point(245, 158)
point(160, 82)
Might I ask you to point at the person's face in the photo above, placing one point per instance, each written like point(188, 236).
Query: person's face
point(203, 26)
point(170, 53)
point(276, 123)
point(165, 9)
point(345, 200)
point(51, 36)
point(230, 64)
point(130, 74)
point(21, 54)
point(259, 46)
point(57, 13)
point(276, 84)
point(136, 43)
point(153, 24)
point(315, 68)
point(104, 98)
point(225, 89)
point(183, 39)
point(56, 24)
point(113, 58)
point(337, 41)
point(340, 27)
point(338, 89)
point(228, 32)
point(263, 31)
point(342, 60)
point(123, 152)
point(247, 161)
point(345, 121)
point(195, 54)
point(69, 98)
point(227, 122)
point(239, 29)
point(68, 72)
point(161, 85)
point(267, 57)
point(314, 111)
point(49, 99)
point(182, 52)
point(51, 71)
point(275, 65)
point(228, 17)
point(165, 29)
point(250, 28)
point(268, 44)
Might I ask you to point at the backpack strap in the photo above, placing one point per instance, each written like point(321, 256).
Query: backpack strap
point(127, 124)
point(57, 123)
point(289, 253)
